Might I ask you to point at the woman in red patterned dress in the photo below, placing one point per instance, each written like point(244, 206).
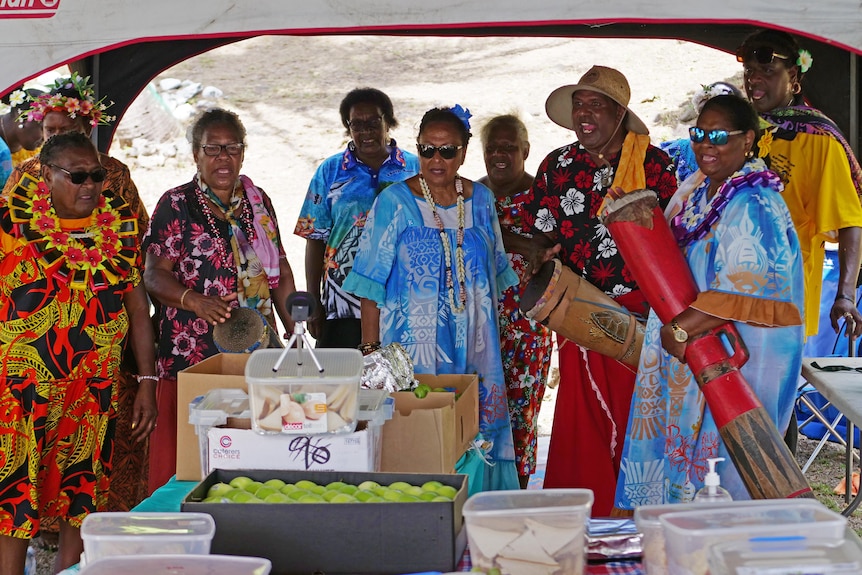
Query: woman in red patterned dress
point(71, 290)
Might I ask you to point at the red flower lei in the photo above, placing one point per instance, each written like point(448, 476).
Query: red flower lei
point(101, 255)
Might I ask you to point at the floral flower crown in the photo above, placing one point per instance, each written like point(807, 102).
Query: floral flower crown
point(463, 114)
point(84, 105)
point(804, 61)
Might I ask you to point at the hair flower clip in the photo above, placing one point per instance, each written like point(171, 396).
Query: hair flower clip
point(17, 98)
point(463, 114)
point(804, 61)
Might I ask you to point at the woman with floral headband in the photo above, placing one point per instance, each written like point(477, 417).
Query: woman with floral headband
point(71, 105)
point(822, 178)
point(430, 269)
point(71, 288)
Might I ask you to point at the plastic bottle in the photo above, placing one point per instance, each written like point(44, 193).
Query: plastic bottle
point(712, 491)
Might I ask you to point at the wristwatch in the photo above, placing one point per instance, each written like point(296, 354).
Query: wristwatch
point(679, 334)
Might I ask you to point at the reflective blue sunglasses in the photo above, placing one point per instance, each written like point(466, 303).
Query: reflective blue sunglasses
point(715, 137)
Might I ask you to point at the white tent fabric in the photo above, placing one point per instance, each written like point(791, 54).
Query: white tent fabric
point(37, 35)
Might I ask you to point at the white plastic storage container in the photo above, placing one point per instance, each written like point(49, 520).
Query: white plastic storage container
point(297, 398)
point(133, 533)
point(179, 565)
point(516, 531)
point(212, 410)
point(690, 534)
point(773, 555)
point(647, 522)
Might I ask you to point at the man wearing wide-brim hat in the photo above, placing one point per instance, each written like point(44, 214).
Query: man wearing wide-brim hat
point(612, 151)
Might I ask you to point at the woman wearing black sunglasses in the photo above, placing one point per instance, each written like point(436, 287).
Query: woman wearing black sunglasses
point(72, 105)
point(738, 238)
point(821, 176)
point(72, 291)
point(430, 269)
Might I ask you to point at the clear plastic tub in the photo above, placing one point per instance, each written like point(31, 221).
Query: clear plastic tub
point(214, 409)
point(768, 556)
point(297, 398)
point(132, 533)
point(689, 534)
point(529, 531)
point(179, 565)
point(647, 522)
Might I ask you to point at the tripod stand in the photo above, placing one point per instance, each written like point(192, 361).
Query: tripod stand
point(300, 305)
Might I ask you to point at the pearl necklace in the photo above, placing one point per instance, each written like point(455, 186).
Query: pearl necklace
point(447, 247)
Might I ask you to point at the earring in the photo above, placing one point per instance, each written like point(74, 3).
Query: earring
point(749, 154)
point(21, 126)
point(796, 87)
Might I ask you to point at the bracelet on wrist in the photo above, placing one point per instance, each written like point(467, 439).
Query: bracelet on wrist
point(183, 298)
point(847, 297)
point(141, 378)
point(369, 347)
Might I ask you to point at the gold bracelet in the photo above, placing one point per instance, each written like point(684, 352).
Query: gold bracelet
point(369, 347)
point(183, 298)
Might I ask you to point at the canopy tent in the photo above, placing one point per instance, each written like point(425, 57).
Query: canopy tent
point(123, 44)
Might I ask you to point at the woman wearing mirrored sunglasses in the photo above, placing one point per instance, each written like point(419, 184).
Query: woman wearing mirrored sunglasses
point(333, 214)
point(821, 176)
point(430, 269)
point(740, 244)
point(72, 105)
point(71, 283)
point(213, 246)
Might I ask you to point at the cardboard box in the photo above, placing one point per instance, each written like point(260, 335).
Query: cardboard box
point(244, 449)
point(220, 371)
point(339, 539)
point(429, 435)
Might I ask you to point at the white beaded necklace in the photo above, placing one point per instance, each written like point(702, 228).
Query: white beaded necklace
point(447, 247)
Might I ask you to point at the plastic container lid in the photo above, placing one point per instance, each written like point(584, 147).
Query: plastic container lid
point(138, 524)
point(216, 406)
point(373, 405)
point(768, 556)
point(179, 565)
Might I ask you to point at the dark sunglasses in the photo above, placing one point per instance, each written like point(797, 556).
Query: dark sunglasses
point(79, 178)
point(447, 152)
point(715, 137)
point(365, 125)
point(815, 365)
point(762, 55)
point(215, 149)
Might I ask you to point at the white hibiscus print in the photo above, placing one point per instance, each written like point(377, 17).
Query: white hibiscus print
point(620, 289)
point(545, 221)
point(562, 160)
point(605, 174)
point(572, 202)
point(601, 231)
point(607, 248)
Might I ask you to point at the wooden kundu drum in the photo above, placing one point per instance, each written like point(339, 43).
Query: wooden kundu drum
point(765, 464)
point(245, 331)
point(573, 307)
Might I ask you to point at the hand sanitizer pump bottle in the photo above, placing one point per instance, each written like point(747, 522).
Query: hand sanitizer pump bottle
point(712, 491)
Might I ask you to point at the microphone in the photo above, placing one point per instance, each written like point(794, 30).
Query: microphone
point(300, 305)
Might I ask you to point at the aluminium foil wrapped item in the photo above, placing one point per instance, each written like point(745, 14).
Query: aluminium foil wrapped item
point(389, 368)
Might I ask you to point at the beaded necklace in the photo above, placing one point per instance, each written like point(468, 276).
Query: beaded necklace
point(447, 247)
point(222, 245)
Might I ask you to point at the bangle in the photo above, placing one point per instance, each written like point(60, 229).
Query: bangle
point(183, 298)
point(141, 378)
point(847, 297)
point(369, 347)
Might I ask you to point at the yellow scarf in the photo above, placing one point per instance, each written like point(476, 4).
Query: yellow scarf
point(630, 174)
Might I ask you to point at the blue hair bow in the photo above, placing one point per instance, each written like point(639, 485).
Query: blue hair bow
point(463, 114)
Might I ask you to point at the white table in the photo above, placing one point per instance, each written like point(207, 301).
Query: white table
point(844, 390)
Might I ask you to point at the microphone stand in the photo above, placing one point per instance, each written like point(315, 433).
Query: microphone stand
point(299, 337)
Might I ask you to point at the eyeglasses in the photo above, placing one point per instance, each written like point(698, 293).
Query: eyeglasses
point(447, 152)
point(79, 178)
point(215, 149)
point(365, 125)
point(762, 55)
point(835, 367)
point(715, 137)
